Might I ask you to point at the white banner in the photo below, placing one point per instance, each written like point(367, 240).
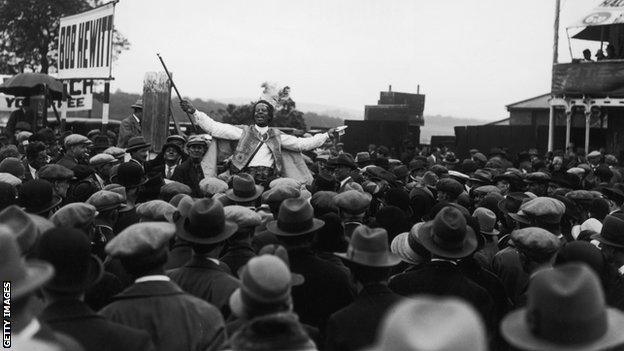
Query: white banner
point(80, 97)
point(608, 12)
point(85, 47)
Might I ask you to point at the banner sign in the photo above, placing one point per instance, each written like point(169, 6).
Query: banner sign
point(603, 78)
point(85, 48)
point(80, 97)
point(608, 12)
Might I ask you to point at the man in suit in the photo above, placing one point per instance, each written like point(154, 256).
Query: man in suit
point(36, 157)
point(354, 327)
point(190, 172)
point(77, 269)
point(131, 126)
point(204, 276)
point(327, 288)
point(448, 238)
point(174, 319)
point(76, 151)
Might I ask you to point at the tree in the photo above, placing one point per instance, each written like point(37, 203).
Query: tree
point(29, 33)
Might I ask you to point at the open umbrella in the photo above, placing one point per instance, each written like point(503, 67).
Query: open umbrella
point(28, 84)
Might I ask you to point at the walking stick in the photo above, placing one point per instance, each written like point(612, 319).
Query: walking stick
point(176, 90)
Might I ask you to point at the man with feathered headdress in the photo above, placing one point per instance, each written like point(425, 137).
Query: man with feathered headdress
point(262, 151)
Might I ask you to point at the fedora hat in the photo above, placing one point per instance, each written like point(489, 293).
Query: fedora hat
point(265, 280)
point(566, 310)
point(138, 104)
point(21, 225)
point(137, 143)
point(448, 235)
point(244, 188)
point(433, 324)
point(69, 252)
point(369, 247)
point(295, 217)
point(487, 220)
point(25, 276)
point(37, 196)
point(206, 224)
point(612, 233)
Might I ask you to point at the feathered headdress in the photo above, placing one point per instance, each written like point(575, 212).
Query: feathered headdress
point(274, 95)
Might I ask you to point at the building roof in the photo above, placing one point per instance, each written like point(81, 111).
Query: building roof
point(538, 102)
point(500, 122)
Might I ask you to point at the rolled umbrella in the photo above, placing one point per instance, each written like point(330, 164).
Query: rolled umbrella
point(28, 84)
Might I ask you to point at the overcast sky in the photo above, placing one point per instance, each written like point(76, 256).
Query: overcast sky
point(470, 57)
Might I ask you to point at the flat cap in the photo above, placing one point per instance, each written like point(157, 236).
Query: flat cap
point(10, 179)
point(583, 195)
point(176, 137)
point(376, 172)
point(105, 200)
point(280, 194)
point(102, 159)
point(353, 201)
point(277, 182)
point(537, 243)
point(197, 140)
point(140, 239)
point(543, 209)
point(537, 177)
point(54, 172)
point(75, 214)
point(210, 186)
point(115, 151)
point(594, 153)
point(14, 166)
point(155, 211)
point(487, 189)
point(75, 139)
point(173, 188)
point(576, 171)
point(450, 186)
point(362, 157)
point(243, 216)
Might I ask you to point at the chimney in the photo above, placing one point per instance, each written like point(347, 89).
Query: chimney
point(390, 88)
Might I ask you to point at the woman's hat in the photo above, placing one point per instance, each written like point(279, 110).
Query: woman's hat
point(566, 310)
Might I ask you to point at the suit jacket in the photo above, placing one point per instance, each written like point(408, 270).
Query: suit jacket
point(128, 128)
point(236, 255)
point(174, 319)
point(188, 174)
point(93, 332)
point(445, 279)
point(355, 326)
point(27, 175)
point(326, 289)
point(205, 279)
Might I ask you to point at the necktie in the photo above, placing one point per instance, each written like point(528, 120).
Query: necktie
point(169, 172)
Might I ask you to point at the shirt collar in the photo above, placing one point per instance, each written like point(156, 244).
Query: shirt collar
point(261, 130)
point(28, 332)
point(444, 260)
point(151, 278)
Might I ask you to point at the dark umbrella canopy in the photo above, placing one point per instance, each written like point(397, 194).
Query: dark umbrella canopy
point(28, 84)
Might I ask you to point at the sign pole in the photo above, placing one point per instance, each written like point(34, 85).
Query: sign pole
point(105, 106)
point(64, 102)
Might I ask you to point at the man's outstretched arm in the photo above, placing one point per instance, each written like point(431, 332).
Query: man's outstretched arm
point(212, 127)
point(293, 143)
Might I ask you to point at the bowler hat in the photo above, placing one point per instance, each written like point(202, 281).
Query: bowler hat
point(25, 276)
point(68, 250)
point(369, 247)
point(448, 234)
point(295, 217)
point(206, 224)
point(137, 143)
point(130, 175)
point(244, 188)
point(138, 104)
point(612, 233)
point(566, 310)
point(37, 196)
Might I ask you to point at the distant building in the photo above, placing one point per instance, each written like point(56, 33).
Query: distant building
point(535, 112)
point(398, 107)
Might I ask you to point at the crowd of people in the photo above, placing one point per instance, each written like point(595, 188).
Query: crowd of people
point(107, 249)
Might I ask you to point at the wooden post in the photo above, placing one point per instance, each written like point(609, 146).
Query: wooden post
point(551, 128)
point(587, 126)
point(156, 109)
point(105, 106)
point(64, 102)
point(568, 127)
